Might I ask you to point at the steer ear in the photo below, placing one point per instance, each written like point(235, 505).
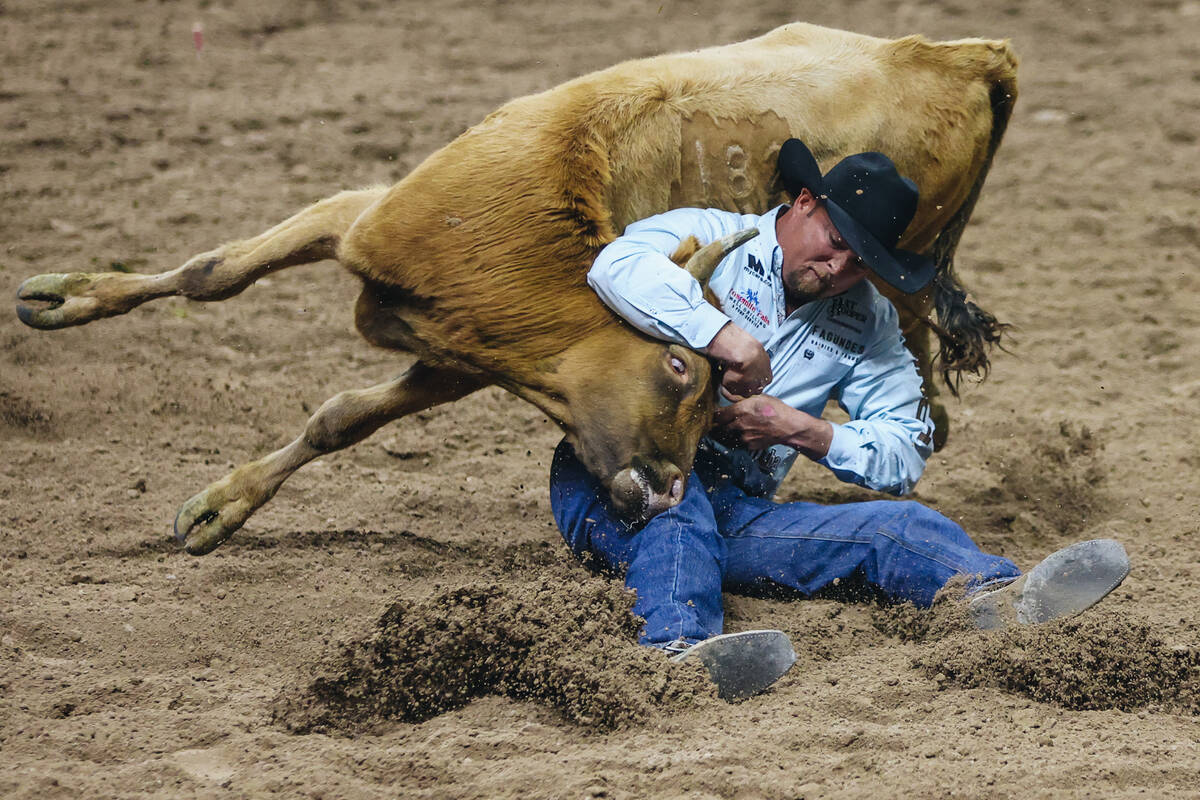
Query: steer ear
point(705, 260)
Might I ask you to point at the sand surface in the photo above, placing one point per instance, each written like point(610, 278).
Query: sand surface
point(402, 620)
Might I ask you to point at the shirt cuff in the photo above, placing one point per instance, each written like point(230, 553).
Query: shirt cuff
point(701, 326)
point(843, 448)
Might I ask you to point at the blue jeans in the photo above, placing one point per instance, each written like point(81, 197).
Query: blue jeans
point(719, 537)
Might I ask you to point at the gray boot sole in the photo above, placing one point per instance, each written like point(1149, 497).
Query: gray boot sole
point(1063, 584)
point(742, 664)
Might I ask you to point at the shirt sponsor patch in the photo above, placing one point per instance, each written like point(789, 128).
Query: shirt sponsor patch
point(746, 304)
point(844, 313)
point(755, 267)
point(836, 342)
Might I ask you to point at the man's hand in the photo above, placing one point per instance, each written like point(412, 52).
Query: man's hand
point(762, 421)
point(747, 366)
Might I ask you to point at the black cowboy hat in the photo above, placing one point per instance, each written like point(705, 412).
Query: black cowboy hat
point(869, 203)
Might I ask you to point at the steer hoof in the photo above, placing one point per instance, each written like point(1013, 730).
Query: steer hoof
point(51, 301)
point(208, 519)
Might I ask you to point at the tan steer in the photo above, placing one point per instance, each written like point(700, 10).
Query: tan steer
point(476, 261)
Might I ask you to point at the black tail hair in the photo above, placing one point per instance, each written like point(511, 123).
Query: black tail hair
point(967, 331)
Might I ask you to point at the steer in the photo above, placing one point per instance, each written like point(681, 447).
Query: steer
point(456, 259)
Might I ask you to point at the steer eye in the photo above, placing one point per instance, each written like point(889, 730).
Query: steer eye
point(678, 365)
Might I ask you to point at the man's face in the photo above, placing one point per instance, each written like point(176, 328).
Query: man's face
point(817, 262)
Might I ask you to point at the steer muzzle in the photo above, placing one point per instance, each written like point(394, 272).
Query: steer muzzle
point(639, 492)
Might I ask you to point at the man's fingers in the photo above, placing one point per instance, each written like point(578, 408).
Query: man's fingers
point(730, 396)
point(740, 386)
point(747, 385)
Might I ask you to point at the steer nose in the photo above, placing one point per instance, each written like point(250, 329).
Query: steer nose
point(673, 496)
point(634, 497)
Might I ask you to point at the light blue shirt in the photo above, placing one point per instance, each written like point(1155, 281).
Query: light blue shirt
point(847, 347)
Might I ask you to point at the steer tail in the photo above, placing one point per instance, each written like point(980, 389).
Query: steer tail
point(967, 332)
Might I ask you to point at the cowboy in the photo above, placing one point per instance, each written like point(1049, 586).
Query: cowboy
point(798, 323)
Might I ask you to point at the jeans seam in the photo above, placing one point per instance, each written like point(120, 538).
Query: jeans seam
point(678, 550)
point(808, 537)
point(919, 551)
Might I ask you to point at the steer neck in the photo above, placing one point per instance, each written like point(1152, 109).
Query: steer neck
point(556, 382)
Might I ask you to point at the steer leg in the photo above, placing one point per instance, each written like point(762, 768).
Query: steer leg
point(919, 344)
point(211, 516)
point(59, 300)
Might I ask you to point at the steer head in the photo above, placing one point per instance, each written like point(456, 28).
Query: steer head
point(635, 408)
point(636, 414)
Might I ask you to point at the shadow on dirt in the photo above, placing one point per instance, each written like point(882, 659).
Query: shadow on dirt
point(1048, 486)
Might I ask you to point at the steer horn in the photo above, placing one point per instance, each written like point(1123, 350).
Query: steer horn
point(705, 260)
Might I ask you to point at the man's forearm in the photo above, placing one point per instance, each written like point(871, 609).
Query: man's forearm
point(812, 436)
point(762, 421)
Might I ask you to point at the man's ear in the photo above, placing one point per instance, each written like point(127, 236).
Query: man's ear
point(805, 201)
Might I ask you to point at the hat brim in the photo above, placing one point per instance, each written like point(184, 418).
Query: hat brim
point(905, 271)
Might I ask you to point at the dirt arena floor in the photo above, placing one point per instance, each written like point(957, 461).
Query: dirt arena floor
point(402, 620)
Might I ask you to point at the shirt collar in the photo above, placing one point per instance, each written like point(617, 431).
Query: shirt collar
point(766, 237)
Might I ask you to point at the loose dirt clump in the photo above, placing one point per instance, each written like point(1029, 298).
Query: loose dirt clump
point(1101, 660)
point(568, 640)
point(908, 623)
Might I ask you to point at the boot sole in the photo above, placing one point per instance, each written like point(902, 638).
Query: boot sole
point(1066, 583)
point(743, 664)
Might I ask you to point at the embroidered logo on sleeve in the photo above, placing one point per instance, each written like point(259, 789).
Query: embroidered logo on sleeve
point(926, 435)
